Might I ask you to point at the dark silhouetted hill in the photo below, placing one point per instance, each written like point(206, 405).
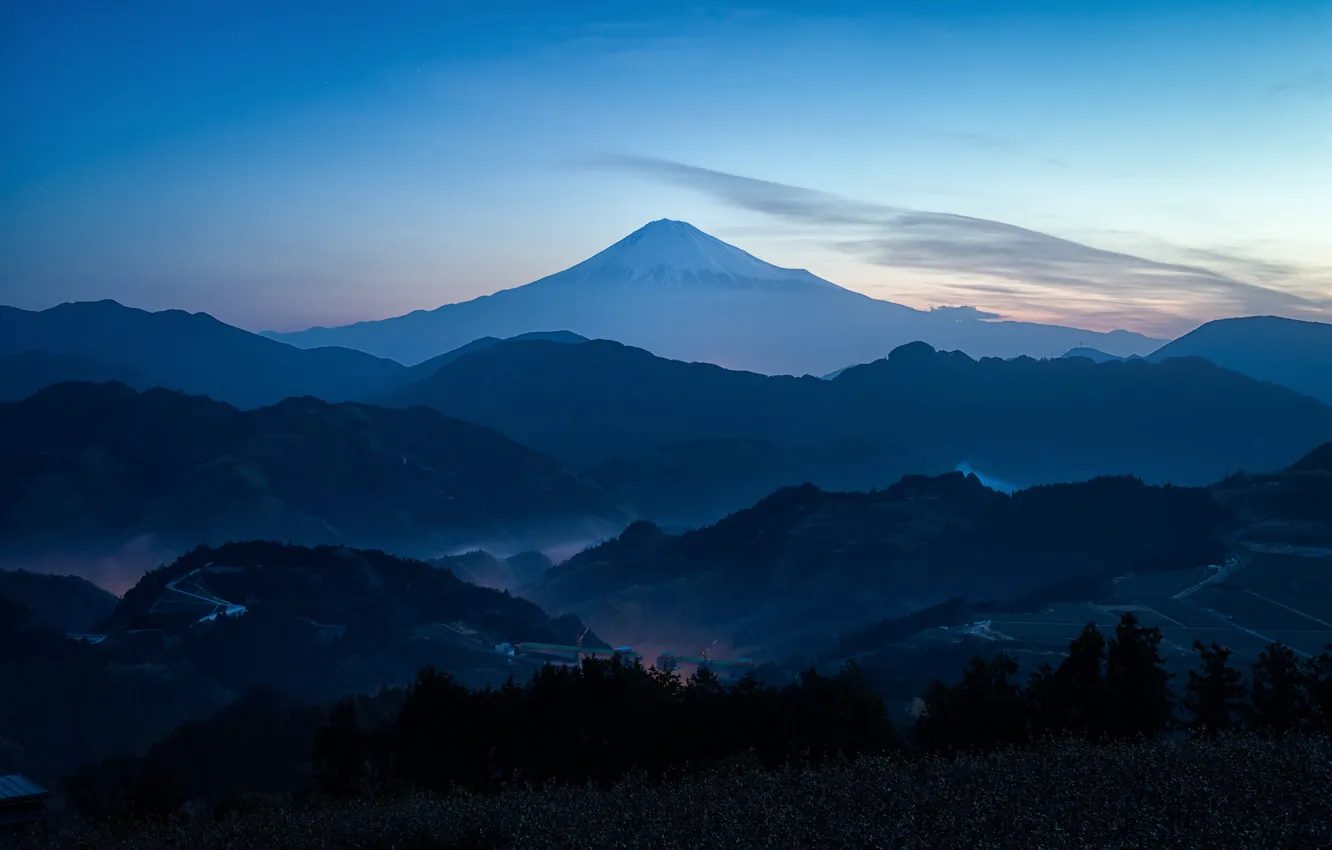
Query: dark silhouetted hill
point(1092, 354)
point(696, 483)
point(190, 352)
point(1291, 506)
point(1292, 353)
point(366, 591)
point(429, 367)
point(601, 399)
point(803, 564)
point(23, 374)
point(486, 570)
point(68, 603)
point(189, 637)
point(1023, 421)
point(97, 464)
point(1318, 460)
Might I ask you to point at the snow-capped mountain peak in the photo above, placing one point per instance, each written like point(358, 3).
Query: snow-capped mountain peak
point(670, 254)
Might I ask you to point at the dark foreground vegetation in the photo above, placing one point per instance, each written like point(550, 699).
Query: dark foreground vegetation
point(1239, 791)
point(1099, 751)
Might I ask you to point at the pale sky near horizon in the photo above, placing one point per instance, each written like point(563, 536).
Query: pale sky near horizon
point(1144, 165)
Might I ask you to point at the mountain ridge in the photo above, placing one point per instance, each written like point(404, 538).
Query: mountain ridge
point(1186, 421)
point(96, 465)
point(194, 353)
point(720, 305)
point(1290, 352)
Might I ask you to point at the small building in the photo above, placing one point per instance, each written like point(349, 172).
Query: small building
point(22, 801)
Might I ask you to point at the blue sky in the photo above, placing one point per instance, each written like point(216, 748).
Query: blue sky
point(1129, 164)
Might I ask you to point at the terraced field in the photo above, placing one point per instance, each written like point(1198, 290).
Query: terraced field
point(1260, 597)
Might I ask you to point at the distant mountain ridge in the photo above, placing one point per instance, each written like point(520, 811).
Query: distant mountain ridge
point(1292, 353)
point(105, 341)
point(190, 352)
point(682, 294)
point(1025, 421)
point(1092, 354)
point(25, 373)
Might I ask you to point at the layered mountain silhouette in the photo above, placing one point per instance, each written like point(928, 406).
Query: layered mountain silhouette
point(1290, 506)
point(1091, 354)
point(694, 483)
point(68, 603)
point(804, 564)
point(23, 374)
point(333, 586)
point(87, 466)
point(1024, 421)
point(481, 568)
point(194, 353)
point(1288, 352)
point(190, 352)
point(680, 293)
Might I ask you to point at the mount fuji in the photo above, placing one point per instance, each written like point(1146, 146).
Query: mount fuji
point(674, 290)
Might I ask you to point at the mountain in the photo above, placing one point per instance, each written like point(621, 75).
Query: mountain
point(680, 293)
point(69, 603)
point(485, 570)
point(190, 352)
point(1091, 354)
point(88, 466)
point(205, 630)
point(1288, 352)
point(23, 374)
point(804, 564)
point(694, 483)
point(330, 585)
point(427, 368)
point(1292, 506)
point(1021, 421)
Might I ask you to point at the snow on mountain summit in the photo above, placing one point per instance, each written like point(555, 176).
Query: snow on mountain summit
point(666, 253)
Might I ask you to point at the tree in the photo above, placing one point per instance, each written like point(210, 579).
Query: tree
point(1073, 698)
point(1280, 691)
point(341, 752)
point(1138, 682)
point(987, 708)
point(1318, 679)
point(1214, 695)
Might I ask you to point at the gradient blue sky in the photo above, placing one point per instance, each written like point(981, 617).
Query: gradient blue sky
point(1126, 164)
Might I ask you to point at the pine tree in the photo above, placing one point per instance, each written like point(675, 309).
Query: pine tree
point(1137, 680)
point(1280, 691)
point(340, 752)
point(987, 708)
point(1214, 696)
point(1073, 698)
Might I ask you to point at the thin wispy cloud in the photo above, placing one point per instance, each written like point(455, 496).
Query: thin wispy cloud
point(1006, 267)
point(1316, 82)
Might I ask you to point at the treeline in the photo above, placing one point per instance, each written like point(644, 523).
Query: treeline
point(1119, 688)
point(604, 720)
point(594, 723)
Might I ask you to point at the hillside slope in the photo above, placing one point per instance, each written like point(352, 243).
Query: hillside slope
point(804, 564)
point(92, 465)
point(1288, 352)
point(1023, 421)
point(190, 352)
